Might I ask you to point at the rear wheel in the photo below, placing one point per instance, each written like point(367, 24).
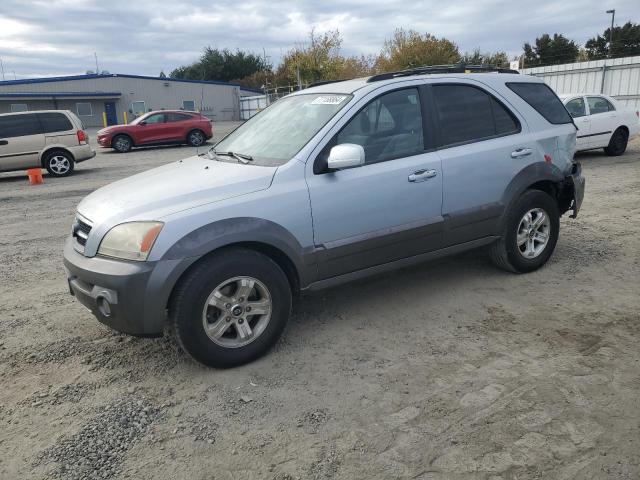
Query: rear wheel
point(531, 232)
point(121, 143)
point(231, 308)
point(59, 163)
point(617, 143)
point(195, 138)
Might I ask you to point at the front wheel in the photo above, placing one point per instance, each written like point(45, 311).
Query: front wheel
point(231, 308)
point(121, 143)
point(531, 232)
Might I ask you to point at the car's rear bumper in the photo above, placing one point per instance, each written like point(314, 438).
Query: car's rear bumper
point(130, 297)
point(82, 152)
point(576, 182)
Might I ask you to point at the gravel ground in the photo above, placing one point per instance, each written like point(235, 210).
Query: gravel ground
point(451, 370)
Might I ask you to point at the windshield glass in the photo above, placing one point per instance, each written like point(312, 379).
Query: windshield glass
point(275, 135)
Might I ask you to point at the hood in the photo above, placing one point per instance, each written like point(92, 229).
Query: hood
point(177, 186)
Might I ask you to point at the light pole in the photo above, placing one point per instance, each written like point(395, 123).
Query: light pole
point(613, 15)
point(2, 69)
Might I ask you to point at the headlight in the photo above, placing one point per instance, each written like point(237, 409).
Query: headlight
point(130, 241)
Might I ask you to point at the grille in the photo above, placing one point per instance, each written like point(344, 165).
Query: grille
point(81, 231)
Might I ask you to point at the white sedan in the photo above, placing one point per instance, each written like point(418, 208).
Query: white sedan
point(602, 122)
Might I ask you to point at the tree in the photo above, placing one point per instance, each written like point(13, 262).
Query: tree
point(162, 74)
point(409, 49)
point(320, 59)
point(498, 59)
point(550, 50)
point(626, 42)
point(223, 65)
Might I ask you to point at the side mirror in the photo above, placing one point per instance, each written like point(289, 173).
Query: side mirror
point(143, 123)
point(346, 155)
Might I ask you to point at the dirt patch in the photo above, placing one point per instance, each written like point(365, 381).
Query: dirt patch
point(450, 370)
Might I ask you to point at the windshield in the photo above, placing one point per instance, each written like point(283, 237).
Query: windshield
point(275, 135)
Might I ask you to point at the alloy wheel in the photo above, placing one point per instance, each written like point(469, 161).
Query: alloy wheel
point(59, 164)
point(237, 312)
point(196, 139)
point(533, 233)
point(122, 144)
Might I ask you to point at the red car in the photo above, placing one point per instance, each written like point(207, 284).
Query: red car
point(164, 127)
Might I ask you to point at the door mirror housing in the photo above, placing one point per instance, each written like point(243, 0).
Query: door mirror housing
point(143, 123)
point(346, 155)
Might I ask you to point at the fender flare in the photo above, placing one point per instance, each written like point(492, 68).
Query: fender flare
point(243, 230)
point(530, 175)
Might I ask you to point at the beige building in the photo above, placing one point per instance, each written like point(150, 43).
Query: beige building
point(99, 97)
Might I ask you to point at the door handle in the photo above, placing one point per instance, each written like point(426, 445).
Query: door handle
point(521, 152)
point(422, 175)
point(4, 142)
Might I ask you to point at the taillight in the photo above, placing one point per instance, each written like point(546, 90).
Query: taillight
point(82, 137)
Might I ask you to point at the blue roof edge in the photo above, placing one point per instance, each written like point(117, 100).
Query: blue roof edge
point(26, 81)
point(58, 94)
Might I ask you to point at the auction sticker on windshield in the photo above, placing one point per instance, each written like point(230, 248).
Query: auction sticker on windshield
point(329, 100)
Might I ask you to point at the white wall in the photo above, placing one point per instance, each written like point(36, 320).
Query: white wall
point(621, 78)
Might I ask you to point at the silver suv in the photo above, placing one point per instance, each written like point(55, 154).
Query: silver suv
point(327, 185)
point(51, 139)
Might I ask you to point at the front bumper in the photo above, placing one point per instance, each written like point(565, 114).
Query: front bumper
point(104, 141)
point(136, 293)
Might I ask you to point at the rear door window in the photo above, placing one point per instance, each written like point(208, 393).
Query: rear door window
point(599, 105)
point(54, 122)
point(543, 100)
point(178, 117)
point(19, 125)
point(469, 114)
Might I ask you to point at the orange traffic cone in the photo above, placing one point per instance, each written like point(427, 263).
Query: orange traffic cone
point(35, 176)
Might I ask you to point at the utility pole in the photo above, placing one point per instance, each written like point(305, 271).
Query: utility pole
point(266, 93)
point(95, 55)
point(613, 16)
point(2, 68)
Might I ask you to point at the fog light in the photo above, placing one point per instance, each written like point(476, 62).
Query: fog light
point(104, 306)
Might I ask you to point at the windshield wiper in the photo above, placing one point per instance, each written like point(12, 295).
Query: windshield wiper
point(238, 156)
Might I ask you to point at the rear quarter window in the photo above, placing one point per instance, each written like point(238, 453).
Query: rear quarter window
point(469, 114)
point(54, 122)
point(543, 100)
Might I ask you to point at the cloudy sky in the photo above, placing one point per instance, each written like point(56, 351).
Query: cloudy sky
point(59, 37)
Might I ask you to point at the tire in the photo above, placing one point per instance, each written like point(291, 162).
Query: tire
point(617, 143)
point(212, 294)
point(196, 138)
point(509, 253)
point(121, 143)
point(59, 163)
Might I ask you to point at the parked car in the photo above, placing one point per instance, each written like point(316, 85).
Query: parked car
point(163, 127)
point(51, 139)
point(327, 185)
point(602, 122)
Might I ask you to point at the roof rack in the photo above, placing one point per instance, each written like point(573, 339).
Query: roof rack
point(323, 82)
point(432, 69)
